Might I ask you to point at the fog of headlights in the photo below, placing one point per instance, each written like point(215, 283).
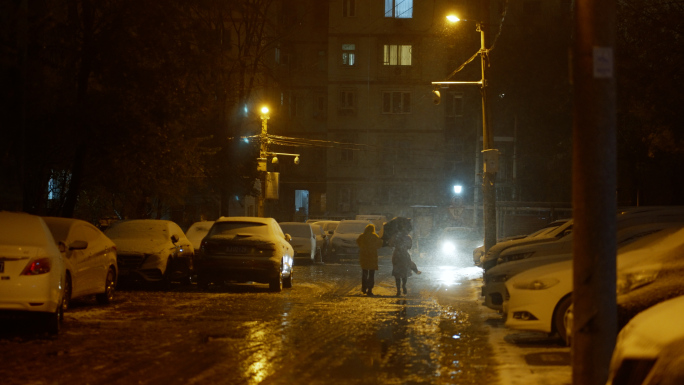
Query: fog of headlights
point(448, 247)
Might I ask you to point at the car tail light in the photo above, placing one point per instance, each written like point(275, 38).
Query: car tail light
point(37, 267)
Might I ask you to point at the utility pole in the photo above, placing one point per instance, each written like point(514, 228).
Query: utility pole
point(489, 155)
point(262, 161)
point(594, 184)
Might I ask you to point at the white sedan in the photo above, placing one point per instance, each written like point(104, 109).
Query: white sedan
point(32, 271)
point(90, 258)
point(540, 298)
point(154, 250)
point(650, 348)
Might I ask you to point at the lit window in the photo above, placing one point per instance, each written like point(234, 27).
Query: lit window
point(397, 55)
point(399, 9)
point(348, 54)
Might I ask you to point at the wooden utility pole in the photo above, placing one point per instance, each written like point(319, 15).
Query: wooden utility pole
point(594, 186)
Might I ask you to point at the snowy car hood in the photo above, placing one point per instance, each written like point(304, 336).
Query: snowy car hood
point(512, 268)
point(141, 245)
point(345, 238)
point(649, 331)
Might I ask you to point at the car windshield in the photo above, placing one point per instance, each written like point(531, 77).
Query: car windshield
point(351, 227)
point(301, 231)
point(234, 228)
point(139, 229)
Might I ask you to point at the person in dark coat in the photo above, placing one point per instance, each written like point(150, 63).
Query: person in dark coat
point(369, 242)
point(402, 265)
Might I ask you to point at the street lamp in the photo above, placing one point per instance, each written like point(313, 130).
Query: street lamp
point(489, 155)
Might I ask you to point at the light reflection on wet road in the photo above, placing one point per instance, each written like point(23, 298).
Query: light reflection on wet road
point(322, 331)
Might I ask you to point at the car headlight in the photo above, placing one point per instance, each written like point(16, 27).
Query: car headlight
point(636, 279)
point(536, 284)
point(448, 247)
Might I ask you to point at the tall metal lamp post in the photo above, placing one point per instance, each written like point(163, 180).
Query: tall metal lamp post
point(490, 156)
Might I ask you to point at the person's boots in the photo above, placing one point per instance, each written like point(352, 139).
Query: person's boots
point(369, 292)
point(404, 289)
point(398, 291)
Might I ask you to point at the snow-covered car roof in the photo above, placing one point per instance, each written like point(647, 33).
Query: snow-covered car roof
point(246, 219)
point(27, 230)
point(140, 228)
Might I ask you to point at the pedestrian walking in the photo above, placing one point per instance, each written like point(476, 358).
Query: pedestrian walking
point(369, 242)
point(402, 264)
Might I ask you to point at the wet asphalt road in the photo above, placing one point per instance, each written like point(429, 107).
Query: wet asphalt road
point(322, 331)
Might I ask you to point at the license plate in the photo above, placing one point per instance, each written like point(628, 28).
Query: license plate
point(237, 250)
point(2, 266)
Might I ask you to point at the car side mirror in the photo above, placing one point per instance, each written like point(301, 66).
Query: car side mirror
point(175, 238)
point(62, 247)
point(78, 245)
point(288, 237)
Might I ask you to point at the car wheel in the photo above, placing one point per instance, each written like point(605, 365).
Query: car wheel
point(68, 288)
point(287, 282)
point(559, 317)
point(107, 296)
point(53, 321)
point(276, 284)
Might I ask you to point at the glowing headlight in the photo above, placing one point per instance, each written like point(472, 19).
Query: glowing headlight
point(537, 284)
point(633, 280)
point(448, 247)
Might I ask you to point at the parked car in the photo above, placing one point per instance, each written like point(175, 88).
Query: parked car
point(343, 241)
point(322, 241)
point(328, 226)
point(90, 258)
point(540, 298)
point(197, 231)
point(244, 249)
point(302, 239)
point(32, 270)
point(153, 250)
point(491, 257)
point(650, 348)
point(494, 288)
point(478, 253)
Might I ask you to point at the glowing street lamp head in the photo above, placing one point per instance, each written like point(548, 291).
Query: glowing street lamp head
point(453, 18)
point(264, 110)
point(458, 189)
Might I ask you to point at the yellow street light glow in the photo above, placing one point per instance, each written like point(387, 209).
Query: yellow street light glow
point(453, 18)
point(264, 110)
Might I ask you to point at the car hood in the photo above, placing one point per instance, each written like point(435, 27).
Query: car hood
point(649, 331)
point(510, 269)
point(494, 251)
point(345, 238)
point(141, 245)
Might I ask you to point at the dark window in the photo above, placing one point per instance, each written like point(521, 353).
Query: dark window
point(348, 8)
point(396, 102)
